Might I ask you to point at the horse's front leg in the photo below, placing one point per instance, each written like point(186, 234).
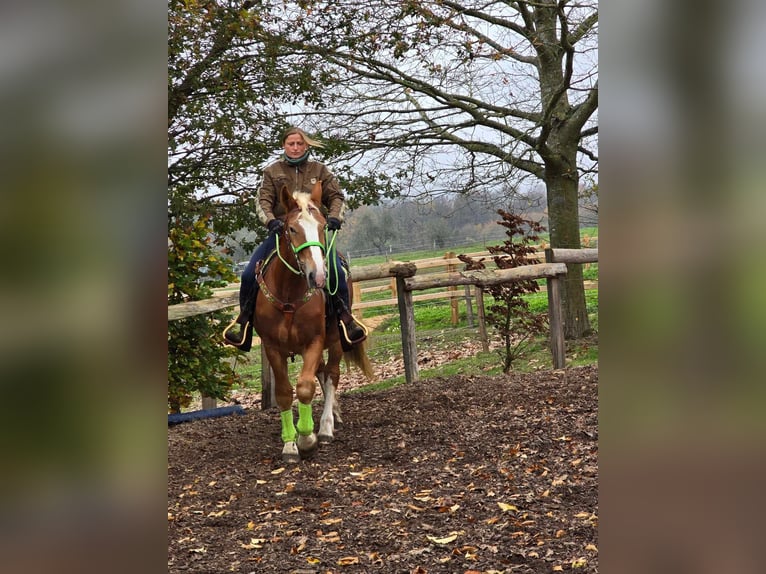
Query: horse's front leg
point(329, 381)
point(305, 390)
point(283, 392)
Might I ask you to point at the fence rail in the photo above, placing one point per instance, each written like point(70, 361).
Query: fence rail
point(404, 280)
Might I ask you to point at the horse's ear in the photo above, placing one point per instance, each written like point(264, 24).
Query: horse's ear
point(287, 199)
point(316, 194)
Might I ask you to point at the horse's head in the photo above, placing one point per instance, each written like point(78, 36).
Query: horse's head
point(304, 227)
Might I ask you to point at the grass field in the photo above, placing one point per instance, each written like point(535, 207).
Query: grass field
point(436, 334)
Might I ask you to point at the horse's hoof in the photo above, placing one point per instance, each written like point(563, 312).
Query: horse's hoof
point(307, 444)
point(325, 438)
point(290, 453)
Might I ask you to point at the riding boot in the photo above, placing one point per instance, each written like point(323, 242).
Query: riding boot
point(351, 330)
point(243, 339)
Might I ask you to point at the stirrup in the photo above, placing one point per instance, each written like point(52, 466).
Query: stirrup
point(362, 327)
point(243, 334)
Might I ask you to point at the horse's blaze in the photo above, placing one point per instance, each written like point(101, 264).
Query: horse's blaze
point(315, 266)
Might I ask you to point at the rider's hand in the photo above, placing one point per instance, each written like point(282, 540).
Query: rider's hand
point(275, 225)
point(333, 223)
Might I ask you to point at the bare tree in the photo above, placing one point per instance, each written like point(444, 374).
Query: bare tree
point(462, 96)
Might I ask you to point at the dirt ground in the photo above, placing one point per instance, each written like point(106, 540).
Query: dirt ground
point(464, 474)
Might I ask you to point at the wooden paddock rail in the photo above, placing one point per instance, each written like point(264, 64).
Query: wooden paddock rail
point(480, 278)
point(404, 276)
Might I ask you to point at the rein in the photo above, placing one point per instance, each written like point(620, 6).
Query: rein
point(332, 261)
point(297, 250)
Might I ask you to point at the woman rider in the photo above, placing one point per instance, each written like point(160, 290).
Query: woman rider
point(299, 173)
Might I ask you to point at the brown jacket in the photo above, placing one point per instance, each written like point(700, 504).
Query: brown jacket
point(298, 178)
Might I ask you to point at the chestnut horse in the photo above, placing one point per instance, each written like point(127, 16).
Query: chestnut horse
point(290, 319)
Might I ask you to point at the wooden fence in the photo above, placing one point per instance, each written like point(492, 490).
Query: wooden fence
point(404, 281)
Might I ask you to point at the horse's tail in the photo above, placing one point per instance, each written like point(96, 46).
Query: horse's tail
point(358, 357)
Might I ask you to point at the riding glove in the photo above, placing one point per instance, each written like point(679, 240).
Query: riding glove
point(275, 225)
point(333, 223)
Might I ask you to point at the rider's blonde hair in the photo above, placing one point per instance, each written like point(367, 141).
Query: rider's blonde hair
point(307, 138)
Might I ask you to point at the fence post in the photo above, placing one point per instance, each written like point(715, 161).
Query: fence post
point(356, 294)
point(555, 316)
point(208, 403)
point(468, 306)
point(407, 321)
point(455, 310)
point(482, 323)
point(268, 398)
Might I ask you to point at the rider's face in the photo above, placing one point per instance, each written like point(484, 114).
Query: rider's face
point(295, 146)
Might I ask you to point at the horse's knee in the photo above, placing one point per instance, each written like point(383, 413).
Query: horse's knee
point(305, 390)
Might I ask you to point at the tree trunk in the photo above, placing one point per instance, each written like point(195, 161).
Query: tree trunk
point(564, 227)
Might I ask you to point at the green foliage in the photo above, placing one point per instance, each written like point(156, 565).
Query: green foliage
point(510, 312)
point(196, 358)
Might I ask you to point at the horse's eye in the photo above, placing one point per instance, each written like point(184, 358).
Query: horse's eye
point(293, 231)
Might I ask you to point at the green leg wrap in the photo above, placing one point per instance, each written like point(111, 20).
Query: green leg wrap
point(288, 428)
point(305, 419)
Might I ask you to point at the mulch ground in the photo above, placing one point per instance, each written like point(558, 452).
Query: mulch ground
point(463, 474)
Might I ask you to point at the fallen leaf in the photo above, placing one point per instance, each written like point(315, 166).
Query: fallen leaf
point(591, 547)
point(446, 540)
point(312, 560)
point(579, 562)
point(329, 537)
point(348, 560)
point(331, 521)
point(506, 507)
point(254, 543)
point(557, 569)
point(250, 525)
point(278, 470)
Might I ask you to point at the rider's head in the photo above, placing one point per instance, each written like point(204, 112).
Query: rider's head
point(296, 144)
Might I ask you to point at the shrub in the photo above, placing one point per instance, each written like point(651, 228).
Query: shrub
point(197, 361)
point(510, 313)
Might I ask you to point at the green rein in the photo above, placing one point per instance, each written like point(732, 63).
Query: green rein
point(330, 258)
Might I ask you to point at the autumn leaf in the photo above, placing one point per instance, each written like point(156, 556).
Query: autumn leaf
point(254, 543)
point(506, 507)
point(278, 470)
point(348, 560)
point(579, 562)
point(312, 560)
point(331, 521)
point(446, 540)
point(591, 547)
point(250, 525)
